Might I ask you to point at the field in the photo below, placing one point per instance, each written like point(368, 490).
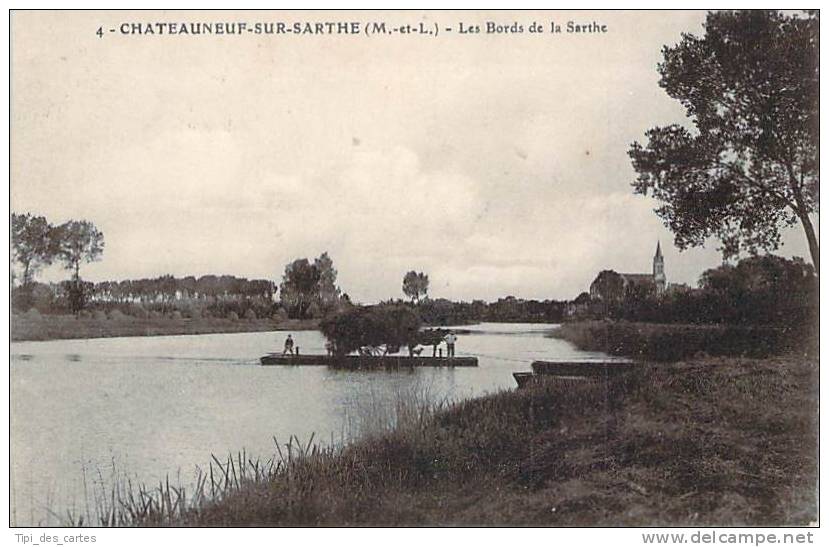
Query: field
point(56, 327)
point(702, 442)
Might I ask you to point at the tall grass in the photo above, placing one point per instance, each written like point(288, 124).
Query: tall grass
point(121, 500)
point(407, 407)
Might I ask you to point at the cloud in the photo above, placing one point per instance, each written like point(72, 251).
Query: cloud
point(499, 169)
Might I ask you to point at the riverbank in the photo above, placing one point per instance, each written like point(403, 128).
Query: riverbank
point(64, 327)
point(701, 442)
point(672, 342)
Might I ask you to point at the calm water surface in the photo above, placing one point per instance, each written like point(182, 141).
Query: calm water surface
point(149, 407)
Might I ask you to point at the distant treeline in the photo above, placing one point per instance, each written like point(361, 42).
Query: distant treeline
point(219, 296)
point(760, 290)
point(308, 288)
point(206, 296)
point(440, 311)
point(510, 309)
point(167, 288)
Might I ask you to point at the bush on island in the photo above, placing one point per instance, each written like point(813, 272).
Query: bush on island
point(386, 326)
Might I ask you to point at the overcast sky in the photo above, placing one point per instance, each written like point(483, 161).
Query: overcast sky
point(496, 164)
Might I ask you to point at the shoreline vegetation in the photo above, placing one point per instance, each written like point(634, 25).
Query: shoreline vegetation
point(673, 342)
point(703, 441)
point(31, 328)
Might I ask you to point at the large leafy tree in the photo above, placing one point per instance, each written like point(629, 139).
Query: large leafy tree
point(749, 163)
point(33, 242)
point(329, 292)
point(300, 287)
point(415, 285)
point(79, 241)
point(608, 286)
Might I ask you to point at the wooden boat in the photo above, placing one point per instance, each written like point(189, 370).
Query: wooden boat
point(367, 362)
point(523, 379)
point(571, 370)
point(587, 369)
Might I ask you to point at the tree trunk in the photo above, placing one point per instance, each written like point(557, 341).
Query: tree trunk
point(803, 214)
point(814, 248)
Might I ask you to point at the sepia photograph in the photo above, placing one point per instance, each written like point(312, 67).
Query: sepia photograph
point(406, 268)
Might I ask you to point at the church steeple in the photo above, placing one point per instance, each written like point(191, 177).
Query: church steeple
point(659, 269)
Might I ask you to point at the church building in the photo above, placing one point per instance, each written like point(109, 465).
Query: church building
point(655, 281)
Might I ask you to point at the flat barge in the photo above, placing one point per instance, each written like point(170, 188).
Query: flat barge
point(366, 361)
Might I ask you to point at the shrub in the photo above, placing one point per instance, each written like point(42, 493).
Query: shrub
point(117, 315)
point(314, 310)
point(33, 295)
point(250, 314)
point(176, 315)
point(233, 316)
point(137, 311)
point(675, 342)
point(32, 314)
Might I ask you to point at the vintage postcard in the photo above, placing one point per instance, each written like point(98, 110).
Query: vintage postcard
point(414, 268)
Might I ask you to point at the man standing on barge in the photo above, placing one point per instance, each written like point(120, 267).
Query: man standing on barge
point(450, 340)
point(289, 346)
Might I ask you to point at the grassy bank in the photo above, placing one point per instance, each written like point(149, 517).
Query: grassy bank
point(671, 342)
point(56, 327)
point(703, 442)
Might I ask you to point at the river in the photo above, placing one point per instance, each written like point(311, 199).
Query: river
point(84, 411)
